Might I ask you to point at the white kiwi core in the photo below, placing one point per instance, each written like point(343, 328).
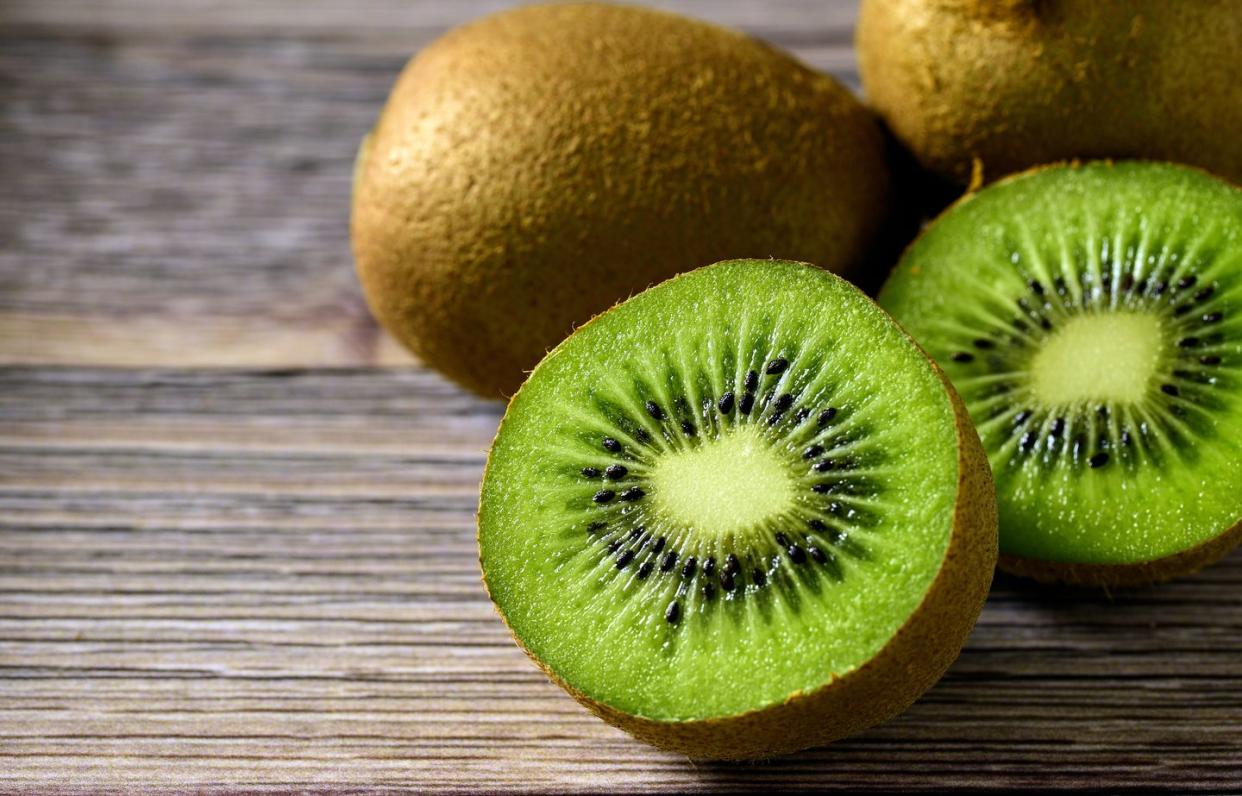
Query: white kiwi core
point(724, 486)
point(1096, 358)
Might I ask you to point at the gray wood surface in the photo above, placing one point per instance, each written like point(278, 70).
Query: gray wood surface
point(226, 567)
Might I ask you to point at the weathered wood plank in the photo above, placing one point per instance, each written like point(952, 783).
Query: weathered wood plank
point(268, 580)
point(176, 175)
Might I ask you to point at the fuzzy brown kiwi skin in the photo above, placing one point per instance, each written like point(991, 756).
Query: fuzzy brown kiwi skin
point(1142, 573)
point(534, 166)
point(1019, 82)
point(912, 661)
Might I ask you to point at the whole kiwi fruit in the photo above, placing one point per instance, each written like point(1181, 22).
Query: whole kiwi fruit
point(535, 167)
point(1016, 83)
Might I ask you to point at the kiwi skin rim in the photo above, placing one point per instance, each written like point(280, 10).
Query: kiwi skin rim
point(910, 663)
point(1139, 573)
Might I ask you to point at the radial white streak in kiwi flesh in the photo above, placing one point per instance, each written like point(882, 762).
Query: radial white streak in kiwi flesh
point(1096, 358)
point(732, 483)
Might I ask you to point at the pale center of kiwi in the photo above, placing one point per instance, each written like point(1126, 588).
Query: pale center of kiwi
point(1097, 358)
point(735, 482)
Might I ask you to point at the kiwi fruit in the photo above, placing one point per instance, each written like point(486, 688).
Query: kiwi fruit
point(1091, 318)
point(1017, 83)
point(535, 167)
point(740, 514)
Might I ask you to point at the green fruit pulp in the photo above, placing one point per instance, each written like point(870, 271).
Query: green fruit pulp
point(1091, 318)
point(580, 582)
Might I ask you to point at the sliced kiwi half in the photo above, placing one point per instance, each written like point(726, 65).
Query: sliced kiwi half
point(739, 514)
point(1091, 318)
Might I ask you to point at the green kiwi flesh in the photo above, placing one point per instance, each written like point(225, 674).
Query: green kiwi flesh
point(729, 491)
point(1091, 318)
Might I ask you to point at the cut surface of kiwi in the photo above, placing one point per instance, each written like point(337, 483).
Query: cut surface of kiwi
point(1091, 318)
point(737, 492)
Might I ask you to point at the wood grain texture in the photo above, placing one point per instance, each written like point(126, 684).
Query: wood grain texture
point(176, 175)
point(221, 580)
point(224, 579)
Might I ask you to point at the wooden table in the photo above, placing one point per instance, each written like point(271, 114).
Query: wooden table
point(236, 522)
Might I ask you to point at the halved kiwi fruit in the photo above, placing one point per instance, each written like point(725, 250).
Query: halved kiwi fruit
point(740, 514)
point(1091, 318)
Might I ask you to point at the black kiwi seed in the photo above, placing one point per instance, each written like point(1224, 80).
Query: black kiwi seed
point(826, 416)
point(672, 613)
point(614, 546)
point(598, 525)
point(1188, 342)
point(725, 404)
point(963, 356)
point(642, 435)
point(746, 403)
point(825, 466)
point(777, 365)
point(816, 554)
point(612, 445)
point(1125, 437)
point(624, 559)
point(812, 452)
point(1205, 293)
point(1022, 417)
point(709, 590)
point(669, 561)
point(758, 577)
point(1036, 287)
point(659, 545)
point(1186, 282)
point(1058, 426)
point(751, 381)
point(1210, 359)
point(796, 554)
point(1127, 283)
point(637, 532)
point(645, 569)
point(1212, 317)
point(1183, 309)
point(1098, 460)
point(1169, 389)
point(603, 496)
point(783, 402)
point(983, 343)
point(654, 410)
point(1028, 441)
point(687, 571)
point(688, 428)
point(709, 567)
point(726, 581)
point(731, 564)
point(821, 489)
point(631, 494)
point(782, 539)
point(590, 472)
point(801, 415)
point(615, 472)
point(817, 525)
